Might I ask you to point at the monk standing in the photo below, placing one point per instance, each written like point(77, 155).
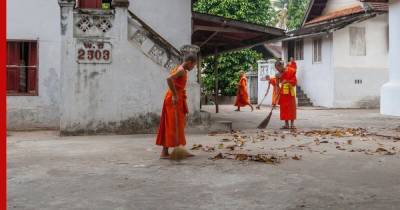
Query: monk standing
point(171, 132)
point(242, 98)
point(287, 95)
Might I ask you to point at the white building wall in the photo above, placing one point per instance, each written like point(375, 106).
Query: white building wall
point(335, 5)
point(171, 18)
point(37, 20)
point(126, 95)
point(372, 69)
point(317, 79)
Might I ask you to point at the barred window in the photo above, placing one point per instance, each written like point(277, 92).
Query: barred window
point(22, 59)
point(299, 50)
point(317, 50)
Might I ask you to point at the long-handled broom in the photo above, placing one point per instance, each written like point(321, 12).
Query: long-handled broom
point(179, 153)
point(259, 105)
point(265, 122)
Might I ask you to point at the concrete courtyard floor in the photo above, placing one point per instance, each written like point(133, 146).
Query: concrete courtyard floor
point(323, 165)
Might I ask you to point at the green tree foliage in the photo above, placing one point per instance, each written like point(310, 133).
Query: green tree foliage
point(229, 67)
point(296, 11)
point(229, 64)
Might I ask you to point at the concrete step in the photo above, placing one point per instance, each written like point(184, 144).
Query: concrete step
point(302, 98)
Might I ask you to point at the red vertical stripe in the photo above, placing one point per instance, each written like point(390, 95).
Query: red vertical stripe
point(13, 59)
point(3, 163)
point(32, 71)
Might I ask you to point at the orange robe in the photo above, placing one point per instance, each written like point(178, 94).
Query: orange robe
point(287, 99)
point(273, 82)
point(168, 131)
point(292, 65)
point(242, 98)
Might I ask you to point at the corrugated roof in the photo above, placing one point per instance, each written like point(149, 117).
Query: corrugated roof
point(379, 6)
point(316, 8)
point(337, 14)
point(216, 34)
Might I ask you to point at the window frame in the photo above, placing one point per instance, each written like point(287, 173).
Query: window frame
point(353, 53)
point(296, 53)
point(98, 3)
point(319, 49)
point(33, 93)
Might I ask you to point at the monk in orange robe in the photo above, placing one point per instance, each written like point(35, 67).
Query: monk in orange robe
point(171, 132)
point(242, 97)
point(287, 95)
point(274, 82)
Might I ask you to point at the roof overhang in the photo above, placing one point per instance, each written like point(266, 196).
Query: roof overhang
point(327, 27)
point(316, 7)
point(215, 34)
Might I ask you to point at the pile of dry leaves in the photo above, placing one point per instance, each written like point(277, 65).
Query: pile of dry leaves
point(340, 132)
point(263, 158)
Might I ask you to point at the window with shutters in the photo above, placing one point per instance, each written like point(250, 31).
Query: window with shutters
point(299, 50)
point(317, 50)
point(22, 68)
point(358, 44)
point(94, 4)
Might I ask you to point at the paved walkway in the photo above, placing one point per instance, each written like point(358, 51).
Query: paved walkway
point(339, 169)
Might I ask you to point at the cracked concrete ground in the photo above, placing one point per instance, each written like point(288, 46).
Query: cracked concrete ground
point(46, 171)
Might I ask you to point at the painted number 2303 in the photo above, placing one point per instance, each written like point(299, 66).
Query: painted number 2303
point(93, 54)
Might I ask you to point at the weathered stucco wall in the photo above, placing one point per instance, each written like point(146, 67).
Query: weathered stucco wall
point(172, 18)
point(332, 83)
point(371, 68)
point(37, 20)
point(317, 79)
point(124, 96)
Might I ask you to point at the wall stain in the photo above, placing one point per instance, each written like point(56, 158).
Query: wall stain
point(141, 124)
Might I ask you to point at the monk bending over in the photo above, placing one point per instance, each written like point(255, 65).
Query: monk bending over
point(287, 95)
point(242, 98)
point(273, 81)
point(171, 132)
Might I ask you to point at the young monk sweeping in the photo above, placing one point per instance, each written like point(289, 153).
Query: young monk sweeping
point(242, 97)
point(287, 95)
point(273, 81)
point(175, 109)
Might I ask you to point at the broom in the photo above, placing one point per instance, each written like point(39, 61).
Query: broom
point(179, 153)
point(259, 105)
point(265, 122)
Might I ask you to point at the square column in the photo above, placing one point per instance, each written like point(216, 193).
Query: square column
point(390, 92)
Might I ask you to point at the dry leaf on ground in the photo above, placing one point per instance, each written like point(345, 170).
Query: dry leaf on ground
point(218, 157)
point(208, 149)
point(241, 157)
point(295, 157)
point(196, 147)
point(231, 147)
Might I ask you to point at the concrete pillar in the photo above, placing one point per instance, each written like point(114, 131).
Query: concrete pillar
point(390, 92)
point(67, 55)
point(67, 18)
point(121, 17)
